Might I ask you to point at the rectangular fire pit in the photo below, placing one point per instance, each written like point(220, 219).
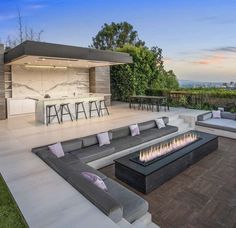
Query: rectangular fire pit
point(147, 169)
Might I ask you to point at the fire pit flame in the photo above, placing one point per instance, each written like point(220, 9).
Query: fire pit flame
point(164, 148)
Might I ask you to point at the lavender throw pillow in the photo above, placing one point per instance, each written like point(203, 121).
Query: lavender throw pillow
point(134, 129)
point(160, 123)
point(93, 178)
point(57, 150)
point(103, 138)
point(216, 114)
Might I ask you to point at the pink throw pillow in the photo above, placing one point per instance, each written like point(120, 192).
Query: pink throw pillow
point(134, 129)
point(216, 114)
point(93, 178)
point(57, 150)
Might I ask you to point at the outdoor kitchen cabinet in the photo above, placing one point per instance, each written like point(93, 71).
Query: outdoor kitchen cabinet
point(20, 106)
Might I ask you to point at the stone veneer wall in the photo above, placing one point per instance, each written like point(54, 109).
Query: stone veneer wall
point(36, 82)
point(99, 80)
point(2, 85)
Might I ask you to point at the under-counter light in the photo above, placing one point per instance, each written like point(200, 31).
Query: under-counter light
point(45, 66)
point(57, 59)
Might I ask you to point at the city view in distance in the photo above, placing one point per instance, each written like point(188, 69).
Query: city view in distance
point(199, 84)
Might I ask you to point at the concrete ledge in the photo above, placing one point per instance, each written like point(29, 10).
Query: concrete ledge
point(218, 132)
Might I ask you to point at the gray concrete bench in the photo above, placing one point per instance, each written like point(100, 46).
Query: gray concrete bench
point(224, 126)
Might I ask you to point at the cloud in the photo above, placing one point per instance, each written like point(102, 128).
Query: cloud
point(217, 19)
point(11, 12)
point(36, 6)
point(201, 62)
point(208, 18)
point(213, 59)
point(7, 17)
point(231, 49)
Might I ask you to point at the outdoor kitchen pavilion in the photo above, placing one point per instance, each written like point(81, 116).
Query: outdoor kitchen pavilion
point(34, 69)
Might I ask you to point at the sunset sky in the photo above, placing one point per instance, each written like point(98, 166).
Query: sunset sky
point(198, 38)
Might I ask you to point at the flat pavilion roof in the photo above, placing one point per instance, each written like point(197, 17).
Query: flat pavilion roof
point(33, 53)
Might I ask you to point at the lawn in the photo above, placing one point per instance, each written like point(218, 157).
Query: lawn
point(10, 215)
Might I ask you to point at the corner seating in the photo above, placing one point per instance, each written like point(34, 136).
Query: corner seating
point(118, 202)
point(225, 126)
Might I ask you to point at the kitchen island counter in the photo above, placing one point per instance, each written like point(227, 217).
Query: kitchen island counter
point(40, 112)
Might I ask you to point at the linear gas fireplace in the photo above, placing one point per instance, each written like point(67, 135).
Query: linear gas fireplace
point(154, 153)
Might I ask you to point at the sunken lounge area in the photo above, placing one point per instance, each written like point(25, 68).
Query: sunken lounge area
point(202, 195)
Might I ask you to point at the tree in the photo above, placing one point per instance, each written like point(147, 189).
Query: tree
point(135, 78)
point(165, 80)
point(146, 72)
point(116, 35)
point(157, 65)
point(24, 33)
point(172, 81)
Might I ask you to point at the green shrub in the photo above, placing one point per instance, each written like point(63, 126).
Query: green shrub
point(183, 101)
point(157, 92)
point(200, 98)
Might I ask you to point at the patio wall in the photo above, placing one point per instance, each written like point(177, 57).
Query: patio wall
point(99, 81)
point(2, 85)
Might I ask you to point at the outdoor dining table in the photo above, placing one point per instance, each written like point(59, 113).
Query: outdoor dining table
point(158, 99)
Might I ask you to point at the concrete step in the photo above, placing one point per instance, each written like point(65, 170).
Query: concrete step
point(173, 118)
point(149, 225)
point(144, 220)
point(176, 122)
point(191, 118)
point(124, 224)
point(181, 123)
point(152, 225)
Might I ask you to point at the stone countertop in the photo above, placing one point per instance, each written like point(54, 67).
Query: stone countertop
point(82, 96)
